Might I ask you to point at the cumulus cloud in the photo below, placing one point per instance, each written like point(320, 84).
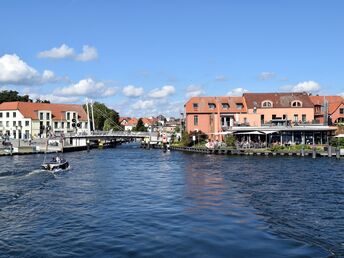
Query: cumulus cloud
point(88, 53)
point(194, 91)
point(163, 92)
point(54, 98)
point(15, 71)
point(87, 87)
point(132, 91)
point(237, 92)
point(143, 104)
point(307, 86)
point(63, 51)
point(264, 76)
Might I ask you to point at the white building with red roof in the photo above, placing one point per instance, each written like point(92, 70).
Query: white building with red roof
point(24, 120)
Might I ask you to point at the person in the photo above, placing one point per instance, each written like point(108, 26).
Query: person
point(57, 159)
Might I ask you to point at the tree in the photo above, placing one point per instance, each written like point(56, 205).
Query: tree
point(12, 95)
point(42, 101)
point(140, 127)
point(103, 113)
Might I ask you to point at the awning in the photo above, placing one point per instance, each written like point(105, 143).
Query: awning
point(269, 132)
point(340, 135)
point(248, 133)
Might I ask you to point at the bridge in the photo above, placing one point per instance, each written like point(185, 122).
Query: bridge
point(110, 138)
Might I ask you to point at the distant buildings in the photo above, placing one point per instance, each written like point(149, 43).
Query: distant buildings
point(153, 124)
point(27, 120)
point(293, 115)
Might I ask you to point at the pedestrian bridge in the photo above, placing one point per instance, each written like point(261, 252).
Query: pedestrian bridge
point(111, 135)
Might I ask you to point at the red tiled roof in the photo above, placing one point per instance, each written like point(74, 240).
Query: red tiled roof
point(279, 100)
point(203, 104)
point(333, 102)
point(29, 109)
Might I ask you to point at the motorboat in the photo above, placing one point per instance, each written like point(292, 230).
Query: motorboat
point(57, 163)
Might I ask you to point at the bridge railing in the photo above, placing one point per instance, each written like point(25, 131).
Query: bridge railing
point(112, 133)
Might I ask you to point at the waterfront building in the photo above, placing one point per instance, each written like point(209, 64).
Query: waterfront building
point(328, 109)
point(269, 117)
point(27, 120)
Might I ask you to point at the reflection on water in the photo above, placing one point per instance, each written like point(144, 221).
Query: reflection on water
point(131, 202)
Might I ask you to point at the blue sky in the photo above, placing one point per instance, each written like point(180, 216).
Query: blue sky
point(148, 57)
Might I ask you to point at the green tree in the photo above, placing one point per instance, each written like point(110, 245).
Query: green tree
point(140, 127)
point(186, 140)
point(230, 140)
point(102, 114)
point(12, 95)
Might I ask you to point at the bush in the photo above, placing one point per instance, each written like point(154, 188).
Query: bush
point(230, 140)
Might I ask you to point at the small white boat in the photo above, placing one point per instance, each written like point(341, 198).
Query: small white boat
point(56, 163)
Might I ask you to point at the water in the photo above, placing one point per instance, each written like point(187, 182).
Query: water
point(129, 202)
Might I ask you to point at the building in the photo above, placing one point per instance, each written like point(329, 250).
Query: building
point(279, 116)
point(328, 109)
point(129, 123)
point(27, 120)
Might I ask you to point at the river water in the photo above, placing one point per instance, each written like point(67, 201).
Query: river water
point(130, 202)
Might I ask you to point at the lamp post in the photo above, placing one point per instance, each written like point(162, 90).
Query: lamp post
point(19, 128)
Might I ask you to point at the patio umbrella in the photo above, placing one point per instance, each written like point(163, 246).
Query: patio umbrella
point(249, 133)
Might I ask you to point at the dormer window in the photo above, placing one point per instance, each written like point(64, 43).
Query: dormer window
point(267, 104)
point(225, 106)
point(296, 103)
point(211, 106)
point(195, 105)
point(239, 106)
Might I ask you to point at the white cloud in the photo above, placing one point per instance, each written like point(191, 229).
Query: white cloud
point(163, 92)
point(132, 91)
point(264, 76)
point(237, 92)
point(221, 78)
point(63, 51)
point(15, 71)
point(194, 91)
point(307, 86)
point(88, 53)
point(143, 104)
point(87, 87)
point(53, 98)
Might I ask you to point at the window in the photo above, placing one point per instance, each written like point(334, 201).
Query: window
point(341, 111)
point(211, 106)
point(7, 114)
point(74, 115)
point(296, 118)
point(267, 103)
point(195, 120)
point(304, 119)
point(225, 105)
point(41, 116)
point(239, 106)
point(14, 114)
point(56, 125)
point(296, 103)
point(48, 116)
point(14, 123)
point(68, 116)
point(0, 123)
point(0, 114)
point(48, 124)
point(85, 125)
point(19, 123)
point(27, 123)
point(195, 105)
point(245, 120)
point(62, 125)
point(7, 123)
point(273, 116)
point(68, 125)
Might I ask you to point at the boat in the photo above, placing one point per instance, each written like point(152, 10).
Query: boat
point(56, 163)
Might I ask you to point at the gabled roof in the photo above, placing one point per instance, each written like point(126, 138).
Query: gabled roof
point(279, 100)
point(333, 102)
point(218, 101)
point(30, 109)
